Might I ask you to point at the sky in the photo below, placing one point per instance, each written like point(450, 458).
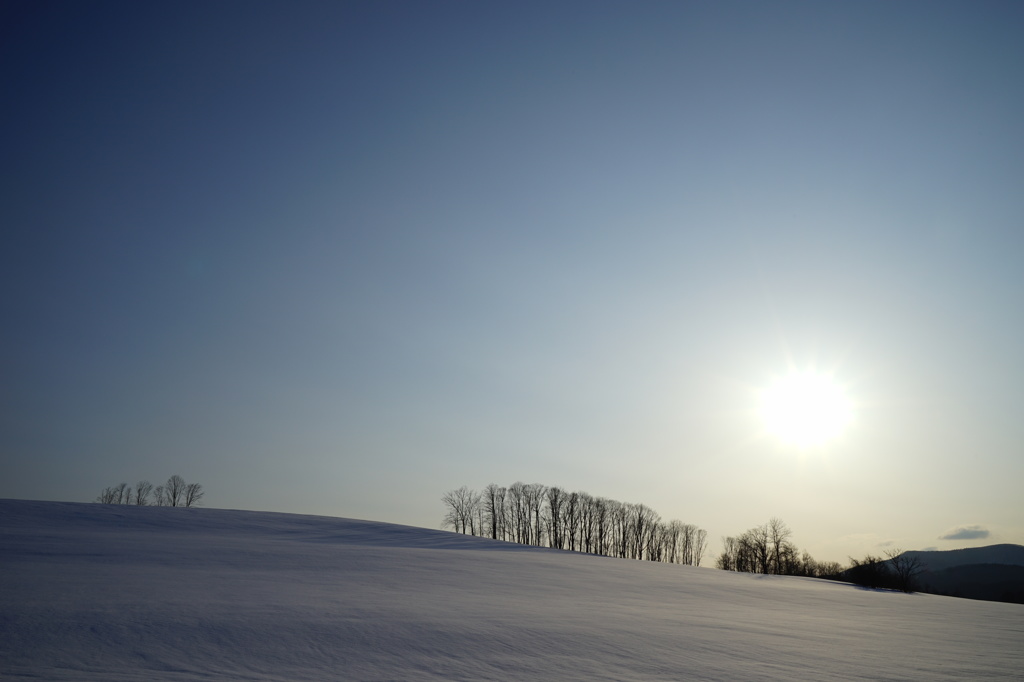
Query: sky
point(340, 258)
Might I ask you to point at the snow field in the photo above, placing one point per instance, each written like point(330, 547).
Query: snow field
point(100, 592)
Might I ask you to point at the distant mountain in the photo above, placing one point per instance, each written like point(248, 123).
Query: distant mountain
point(991, 582)
point(1010, 555)
point(993, 573)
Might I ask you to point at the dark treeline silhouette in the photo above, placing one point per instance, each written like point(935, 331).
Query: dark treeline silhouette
point(175, 493)
point(898, 571)
point(549, 516)
point(767, 549)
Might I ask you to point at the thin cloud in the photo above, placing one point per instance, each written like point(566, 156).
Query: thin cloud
point(965, 533)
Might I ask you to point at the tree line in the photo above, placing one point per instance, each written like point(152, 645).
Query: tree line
point(174, 493)
point(549, 516)
point(897, 571)
point(767, 549)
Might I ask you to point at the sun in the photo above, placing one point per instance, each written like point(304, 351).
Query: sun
point(805, 409)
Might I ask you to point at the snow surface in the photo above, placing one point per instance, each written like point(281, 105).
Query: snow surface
point(101, 592)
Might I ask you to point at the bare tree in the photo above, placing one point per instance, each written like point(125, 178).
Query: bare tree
point(519, 515)
point(672, 541)
point(463, 510)
point(534, 514)
point(174, 489)
point(534, 496)
point(494, 510)
point(118, 494)
point(778, 536)
point(808, 566)
point(175, 493)
point(759, 540)
point(657, 548)
point(124, 493)
point(452, 516)
point(193, 493)
point(694, 544)
point(107, 496)
point(828, 569)
point(905, 569)
point(728, 560)
point(787, 561)
point(555, 518)
point(142, 491)
point(602, 526)
point(870, 572)
point(698, 545)
point(572, 521)
point(526, 504)
point(763, 549)
point(642, 524)
point(588, 523)
point(618, 529)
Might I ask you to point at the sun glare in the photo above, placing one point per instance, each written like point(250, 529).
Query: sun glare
point(805, 409)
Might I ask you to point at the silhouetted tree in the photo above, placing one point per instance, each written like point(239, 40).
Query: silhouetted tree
point(175, 493)
point(870, 572)
point(759, 542)
point(118, 494)
point(618, 514)
point(555, 519)
point(519, 513)
point(193, 493)
point(142, 491)
point(534, 514)
point(807, 566)
point(601, 526)
point(587, 523)
point(782, 552)
point(728, 560)
point(905, 569)
point(107, 496)
point(463, 505)
point(765, 549)
point(695, 543)
point(829, 569)
point(175, 490)
point(572, 521)
point(643, 522)
point(494, 510)
point(534, 497)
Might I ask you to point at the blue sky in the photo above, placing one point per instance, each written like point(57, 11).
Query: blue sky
point(340, 258)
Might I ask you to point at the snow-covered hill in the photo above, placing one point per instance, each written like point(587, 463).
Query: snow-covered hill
point(97, 592)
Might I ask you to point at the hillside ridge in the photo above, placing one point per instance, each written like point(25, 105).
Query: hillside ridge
point(109, 593)
point(1004, 553)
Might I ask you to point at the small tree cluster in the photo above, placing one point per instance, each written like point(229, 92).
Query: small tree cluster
point(175, 493)
point(549, 516)
point(767, 549)
point(898, 571)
